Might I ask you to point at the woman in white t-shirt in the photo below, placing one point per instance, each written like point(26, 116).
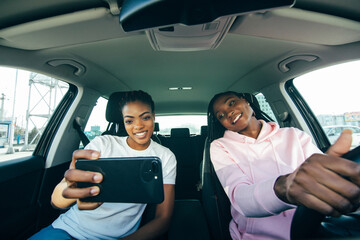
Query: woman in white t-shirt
point(114, 220)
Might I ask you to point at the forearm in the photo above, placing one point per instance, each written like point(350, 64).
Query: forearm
point(161, 223)
point(151, 230)
point(258, 200)
point(57, 199)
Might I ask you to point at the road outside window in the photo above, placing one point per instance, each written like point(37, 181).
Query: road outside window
point(333, 95)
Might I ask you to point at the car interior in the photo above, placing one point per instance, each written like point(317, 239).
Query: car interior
point(182, 53)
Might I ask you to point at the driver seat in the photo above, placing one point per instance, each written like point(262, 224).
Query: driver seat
point(216, 203)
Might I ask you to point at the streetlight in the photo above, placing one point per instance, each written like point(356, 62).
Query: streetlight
point(12, 125)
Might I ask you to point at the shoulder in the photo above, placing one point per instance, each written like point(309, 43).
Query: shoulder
point(104, 141)
point(229, 137)
point(107, 139)
point(292, 130)
point(294, 134)
point(161, 149)
point(219, 145)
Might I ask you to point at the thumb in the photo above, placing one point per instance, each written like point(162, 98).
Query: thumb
point(342, 144)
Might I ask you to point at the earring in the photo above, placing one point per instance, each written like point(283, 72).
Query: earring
point(249, 104)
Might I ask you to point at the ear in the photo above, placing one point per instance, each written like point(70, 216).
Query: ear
point(253, 112)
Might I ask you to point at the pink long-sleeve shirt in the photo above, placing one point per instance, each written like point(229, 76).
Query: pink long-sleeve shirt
point(248, 168)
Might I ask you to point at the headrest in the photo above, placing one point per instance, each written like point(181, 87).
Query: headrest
point(180, 132)
point(156, 128)
point(113, 113)
point(203, 131)
point(252, 99)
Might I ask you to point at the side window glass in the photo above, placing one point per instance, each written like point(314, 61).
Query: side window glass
point(96, 123)
point(27, 101)
point(355, 130)
point(332, 94)
point(265, 106)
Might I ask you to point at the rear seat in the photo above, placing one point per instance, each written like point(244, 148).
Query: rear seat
point(188, 155)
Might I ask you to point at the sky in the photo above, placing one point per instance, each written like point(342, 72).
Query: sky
point(340, 84)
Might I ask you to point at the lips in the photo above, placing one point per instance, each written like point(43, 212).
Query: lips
point(236, 118)
point(140, 134)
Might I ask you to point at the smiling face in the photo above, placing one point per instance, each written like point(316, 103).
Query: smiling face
point(236, 115)
point(139, 124)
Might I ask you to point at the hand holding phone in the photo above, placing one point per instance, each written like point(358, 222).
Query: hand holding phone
point(125, 179)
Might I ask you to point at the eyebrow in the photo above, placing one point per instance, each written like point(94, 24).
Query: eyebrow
point(228, 99)
point(139, 115)
point(224, 102)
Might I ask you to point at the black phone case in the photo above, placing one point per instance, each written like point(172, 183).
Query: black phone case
point(126, 179)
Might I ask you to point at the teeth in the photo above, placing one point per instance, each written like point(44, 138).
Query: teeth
point(237, 118)
point(140, 134)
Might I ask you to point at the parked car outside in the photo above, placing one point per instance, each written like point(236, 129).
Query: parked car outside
point(333, 133)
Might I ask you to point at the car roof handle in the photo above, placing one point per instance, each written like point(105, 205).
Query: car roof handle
point(283, 65)
point(79, 68)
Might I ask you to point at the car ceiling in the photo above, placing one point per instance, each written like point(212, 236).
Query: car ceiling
point(34, 33)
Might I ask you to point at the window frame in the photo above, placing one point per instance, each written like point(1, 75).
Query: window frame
point(309, 117)
point(46, 139)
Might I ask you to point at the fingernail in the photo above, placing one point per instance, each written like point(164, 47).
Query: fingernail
point(94, 191)
point(95, 155)
point(97, 177)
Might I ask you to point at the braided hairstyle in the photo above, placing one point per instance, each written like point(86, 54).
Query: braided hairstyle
point(216, 130)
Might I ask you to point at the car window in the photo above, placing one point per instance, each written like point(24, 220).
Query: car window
point(96, 123)
point(265, 106)
point(27, 101)
point(355, 129)
point(193, 122)
point(332, 94)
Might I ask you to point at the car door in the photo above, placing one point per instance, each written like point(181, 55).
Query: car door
point(24, 180)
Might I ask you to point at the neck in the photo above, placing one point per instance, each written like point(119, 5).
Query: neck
point(136, 146)
point(253, 130)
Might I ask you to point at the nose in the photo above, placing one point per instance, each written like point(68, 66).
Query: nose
point(138, 125)
point(229, 113)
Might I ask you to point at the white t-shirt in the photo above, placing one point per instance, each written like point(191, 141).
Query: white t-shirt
point(114, 220)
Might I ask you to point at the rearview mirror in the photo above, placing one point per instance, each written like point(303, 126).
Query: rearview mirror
point(144, 14)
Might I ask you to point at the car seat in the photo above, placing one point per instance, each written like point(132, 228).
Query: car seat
point(155, 135)
point(188, 160)
point(114, 117)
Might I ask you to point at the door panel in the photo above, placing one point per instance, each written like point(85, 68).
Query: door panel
point(20, 179)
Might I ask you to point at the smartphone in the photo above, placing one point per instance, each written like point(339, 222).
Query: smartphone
point(125, 179)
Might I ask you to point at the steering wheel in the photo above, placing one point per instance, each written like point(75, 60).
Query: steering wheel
point(308, 223)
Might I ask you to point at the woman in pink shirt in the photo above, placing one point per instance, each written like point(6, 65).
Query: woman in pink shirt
point(267, 171)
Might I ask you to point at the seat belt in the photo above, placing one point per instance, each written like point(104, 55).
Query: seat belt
point(83, 137)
